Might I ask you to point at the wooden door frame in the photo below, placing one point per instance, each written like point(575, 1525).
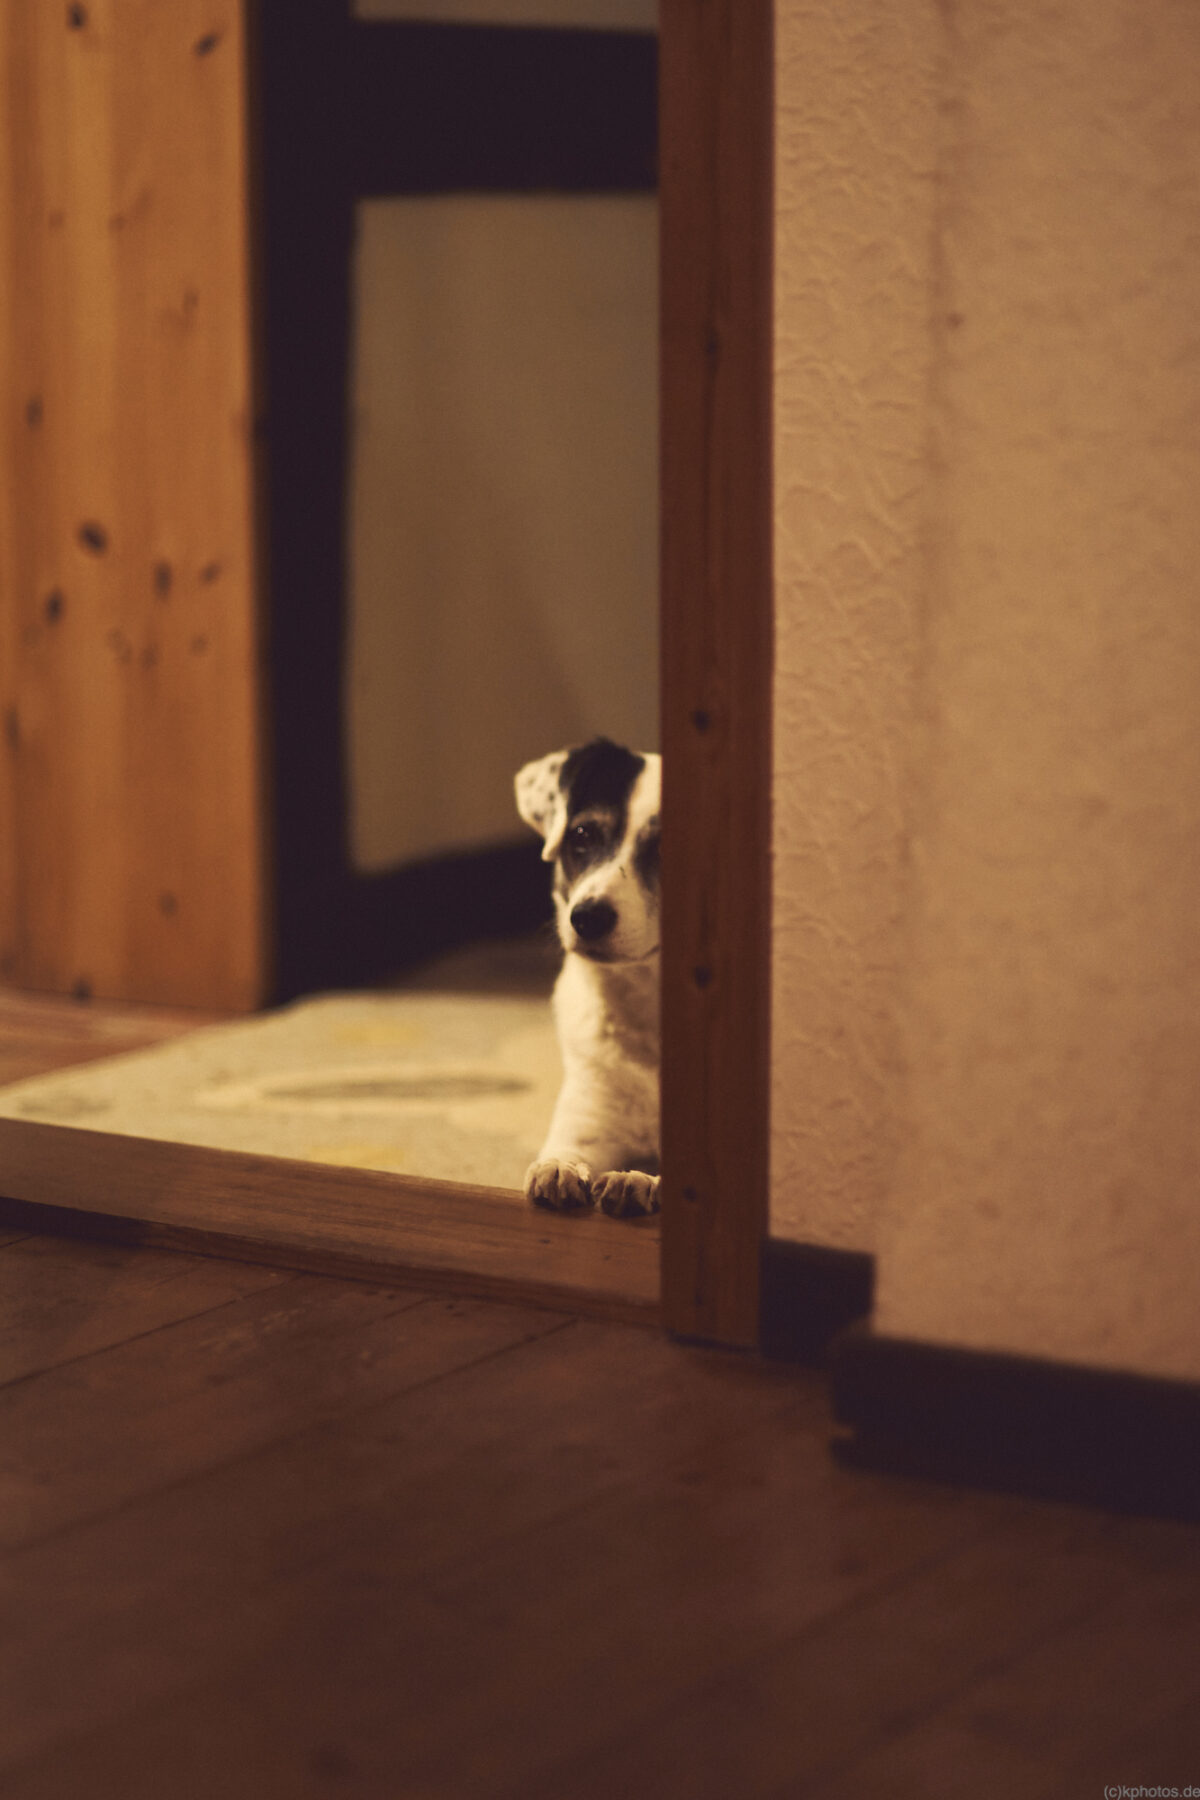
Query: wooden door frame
point(716, 132)
point(716, 83)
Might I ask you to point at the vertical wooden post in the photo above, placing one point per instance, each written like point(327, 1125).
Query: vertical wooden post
point(131, 808)
point(716, 129)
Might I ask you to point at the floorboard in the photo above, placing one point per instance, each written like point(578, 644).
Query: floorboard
point(321, 1538)
point(84, 1439)
point(41, 1032)
point(62, 1299)
point(798, 1712)
point(485, 1534)
point(272, 1535)
point(1051, 1721)
point(1135, 1755)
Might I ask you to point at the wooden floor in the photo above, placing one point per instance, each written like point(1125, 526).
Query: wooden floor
point(271, 1535)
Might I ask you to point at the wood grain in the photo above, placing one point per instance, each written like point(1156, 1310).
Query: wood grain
point(316, 1217)
point(1072, 1703)
point(63, 1301)
point(131, 811)
point(12, 428)
point(144, 1414)
point(40, 1032)
point(197, 1573)
point(581, 1516)
point(822, 1699)
point(717, 623)
point(1163, 1737)
point(327, 1538)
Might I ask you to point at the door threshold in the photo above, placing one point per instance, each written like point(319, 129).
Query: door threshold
point(325, 1219)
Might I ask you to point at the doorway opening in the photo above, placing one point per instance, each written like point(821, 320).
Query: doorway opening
point(459, 335)
point(716, 615)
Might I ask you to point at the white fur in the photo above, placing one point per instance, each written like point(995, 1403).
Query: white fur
point(602, 1146)
point(540, 800)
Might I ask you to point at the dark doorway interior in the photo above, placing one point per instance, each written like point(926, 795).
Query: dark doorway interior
point(351, 110)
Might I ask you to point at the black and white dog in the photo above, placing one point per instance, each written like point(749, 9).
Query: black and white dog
point(597, 808)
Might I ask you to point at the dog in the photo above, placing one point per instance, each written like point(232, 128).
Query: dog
point(597, 809)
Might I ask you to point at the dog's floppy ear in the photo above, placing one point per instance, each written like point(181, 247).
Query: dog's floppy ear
point(541, 801)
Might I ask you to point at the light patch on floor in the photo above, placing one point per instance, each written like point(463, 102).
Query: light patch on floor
point(458, 1086)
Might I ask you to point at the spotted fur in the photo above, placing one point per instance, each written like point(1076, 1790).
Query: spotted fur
point(597, 808)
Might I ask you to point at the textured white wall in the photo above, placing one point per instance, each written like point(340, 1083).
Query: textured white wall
point(987, 1059)
point(1049, 1193)
point(856, 93)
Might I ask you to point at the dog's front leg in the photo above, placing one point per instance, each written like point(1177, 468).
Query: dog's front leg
point(561, 1176)
point(586, 1158)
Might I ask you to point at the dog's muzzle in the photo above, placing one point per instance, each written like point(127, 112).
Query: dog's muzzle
point(592, 920)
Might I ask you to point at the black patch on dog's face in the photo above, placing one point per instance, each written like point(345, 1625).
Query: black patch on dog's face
point(586, 842)
point(600, 775)
point(647, 854)
point(597, 780)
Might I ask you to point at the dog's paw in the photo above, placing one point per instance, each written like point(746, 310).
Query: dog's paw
point(627, 1194)
point(561, 1186)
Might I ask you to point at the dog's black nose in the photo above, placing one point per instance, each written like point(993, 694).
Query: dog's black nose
point(593, 919)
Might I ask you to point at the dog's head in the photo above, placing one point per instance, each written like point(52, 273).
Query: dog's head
point(597, 808)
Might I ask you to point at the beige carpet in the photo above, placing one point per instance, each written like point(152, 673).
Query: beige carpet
point(441, 1077)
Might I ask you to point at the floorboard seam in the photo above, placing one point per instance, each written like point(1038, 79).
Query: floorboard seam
point(815, 1627)
point(274, 1443)
point(837, 1770)
point(289, 1277)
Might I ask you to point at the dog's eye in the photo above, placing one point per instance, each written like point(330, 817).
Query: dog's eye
point(584, 836)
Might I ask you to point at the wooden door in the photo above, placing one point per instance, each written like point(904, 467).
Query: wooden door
point(132, 819)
